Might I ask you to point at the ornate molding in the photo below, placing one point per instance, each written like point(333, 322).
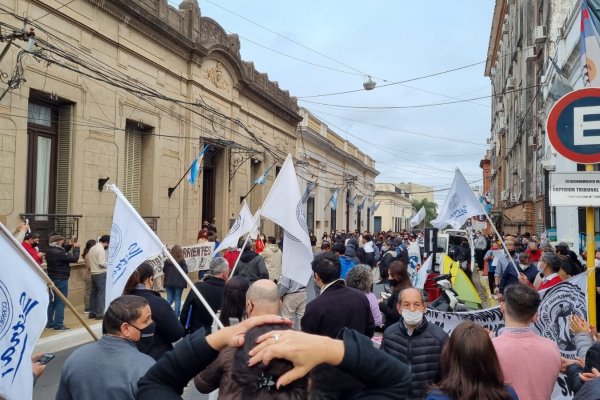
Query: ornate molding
point(215, 76)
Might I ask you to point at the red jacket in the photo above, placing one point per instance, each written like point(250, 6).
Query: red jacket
point(534, 257)
point(33, 252)
point(554, 281)
point(231, 257)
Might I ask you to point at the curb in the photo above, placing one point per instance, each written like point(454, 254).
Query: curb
point(66, 340)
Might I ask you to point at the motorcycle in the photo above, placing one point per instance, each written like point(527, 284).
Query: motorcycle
point(449, 300)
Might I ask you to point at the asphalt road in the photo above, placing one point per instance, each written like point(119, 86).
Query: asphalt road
point(47, 384)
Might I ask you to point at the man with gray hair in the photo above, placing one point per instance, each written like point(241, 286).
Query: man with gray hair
point(193, 314)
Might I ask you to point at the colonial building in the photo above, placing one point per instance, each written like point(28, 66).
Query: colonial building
point(416, 191)
point(395, 208)
point(129, 92)
point(336, 166)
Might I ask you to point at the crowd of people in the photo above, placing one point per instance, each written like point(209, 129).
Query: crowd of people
point(283, 339)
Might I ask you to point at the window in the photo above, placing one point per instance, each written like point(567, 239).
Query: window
point(310, 214)
point(132, 159)
point(333, 220)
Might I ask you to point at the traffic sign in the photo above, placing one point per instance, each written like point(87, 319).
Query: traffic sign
point(573, 126)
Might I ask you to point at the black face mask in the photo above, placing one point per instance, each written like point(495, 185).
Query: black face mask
point(511, 252)
point(393, 282)
point(147, 333)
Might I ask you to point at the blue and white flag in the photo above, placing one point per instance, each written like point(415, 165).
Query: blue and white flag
point(361, 205)
point(374, 207)
point(309, 187)
point(242, 225)
point(284, 206)
point(263, 178)
point(333, 200)
point(420, 277)
point(131, 243)
point(351, 202)
point(24, 302)
point(460, 204)
point(195, 167)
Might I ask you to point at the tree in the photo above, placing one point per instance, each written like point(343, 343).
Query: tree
point(430, 209)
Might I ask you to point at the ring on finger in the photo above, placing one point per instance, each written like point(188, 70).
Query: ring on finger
point(276, 337)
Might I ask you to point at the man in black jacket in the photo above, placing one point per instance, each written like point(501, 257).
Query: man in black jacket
point(59, 270)
point(193, 314)
point(415, 341)
point(336, 308)
point(251, 265)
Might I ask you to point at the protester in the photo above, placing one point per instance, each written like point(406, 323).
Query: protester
point(371, 251)
point(336, 307)
point(415, 341)
point(293, 297)
point(231, 255)
point(470, 368)
point(480, 245)
point(491, 262)
point(31, 244)
point(346, 262)
point(359, 277)
point(194, 314)
point(550, 265)
point(166, 328)
point(251, 265)
point(389, 256)
point(58, 262)
point(21, 231)
point(87, 276)
point(234, 298)
point(523, 273)
point(503, 263)
point(530, 363)
point(262, 298)
point(313, 240)
point(98, 261)
point(398, 280)
point(272, 256)
point(379, 375)
point(259, 244)
point(174, 281)
point(112, 366)
point(534, 253)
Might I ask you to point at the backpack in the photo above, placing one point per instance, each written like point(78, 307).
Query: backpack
point(346, 263)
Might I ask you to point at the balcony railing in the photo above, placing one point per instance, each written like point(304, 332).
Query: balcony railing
point(46, 225)
point(152, 222)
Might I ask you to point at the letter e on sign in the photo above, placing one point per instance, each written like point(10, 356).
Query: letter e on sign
point(573, 126)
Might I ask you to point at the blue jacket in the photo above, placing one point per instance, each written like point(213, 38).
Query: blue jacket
point(438, 395)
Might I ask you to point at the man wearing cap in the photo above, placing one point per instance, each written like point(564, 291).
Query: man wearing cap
point(58, 262)
point(31, 243)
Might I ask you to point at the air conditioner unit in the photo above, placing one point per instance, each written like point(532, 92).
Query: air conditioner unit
point(513, 197)
point(543, 80)
point(488, 140)
point(539, 34)
point(493, 171)
point(510, 83)
point(530, 54)
point(505, 195)
point(505, 27)
point(531, 141)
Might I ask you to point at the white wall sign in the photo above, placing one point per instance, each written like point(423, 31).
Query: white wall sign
point(580, 189)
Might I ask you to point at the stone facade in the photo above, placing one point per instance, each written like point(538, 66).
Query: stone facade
point(395, 209)
point(334, 163)
point(201, 92)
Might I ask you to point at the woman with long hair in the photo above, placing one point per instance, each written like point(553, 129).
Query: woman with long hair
point(87, 276)
point(360, 277)
point(470, 368)
point(174, 281)
point(234, 300)
point(158, 337)
point(398, 280)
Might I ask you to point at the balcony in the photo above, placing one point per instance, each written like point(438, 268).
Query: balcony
point(46, 225)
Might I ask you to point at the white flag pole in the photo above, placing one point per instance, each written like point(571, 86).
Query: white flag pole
point(192, 286)
point(245, 242)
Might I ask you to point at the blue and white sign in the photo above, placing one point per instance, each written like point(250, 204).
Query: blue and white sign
point(23, 315)
point(131, 243)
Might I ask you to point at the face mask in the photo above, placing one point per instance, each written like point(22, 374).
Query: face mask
point(524, 266)
point(384, 248)
point(393, 282)
point(540, 269)
point(412, 317)
point(511, 252)
point(147, 333)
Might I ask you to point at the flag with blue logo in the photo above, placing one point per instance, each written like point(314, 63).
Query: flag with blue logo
point(24, 302)
point(460, 204)
point(333, 200)
point(131, 243)
point(263, 178)
point(195, 167)
point(242, 225)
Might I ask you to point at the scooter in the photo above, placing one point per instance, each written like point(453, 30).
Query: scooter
point(448, 301)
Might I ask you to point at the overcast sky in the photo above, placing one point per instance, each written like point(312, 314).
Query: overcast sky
point(392, 40)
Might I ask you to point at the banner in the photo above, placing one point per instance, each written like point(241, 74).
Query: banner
point(131, 243)
point(242, 225)
point(558, 303)
point(414, 260)
point(460, 204)
point(284, 206)
point(198, 256)
point(24, 303)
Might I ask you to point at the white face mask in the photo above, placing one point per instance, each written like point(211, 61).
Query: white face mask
point(541, 268)
point(412, 317)
point(524, 266)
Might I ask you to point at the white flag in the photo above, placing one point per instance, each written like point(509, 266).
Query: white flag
point(24, 302)
point(284, 206)
point(255, 229)
point(131, 243)
point(419, 217)
point(422, 272)
point(242, 225)
point(460, 204)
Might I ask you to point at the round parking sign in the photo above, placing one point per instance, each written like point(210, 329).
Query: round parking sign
point(573, 126)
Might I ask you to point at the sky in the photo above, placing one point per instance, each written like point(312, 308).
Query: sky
point(391, 41)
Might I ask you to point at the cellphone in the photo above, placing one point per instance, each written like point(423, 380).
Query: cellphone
point(45, 359)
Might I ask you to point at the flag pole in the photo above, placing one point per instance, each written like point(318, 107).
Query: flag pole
point(192, 286)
